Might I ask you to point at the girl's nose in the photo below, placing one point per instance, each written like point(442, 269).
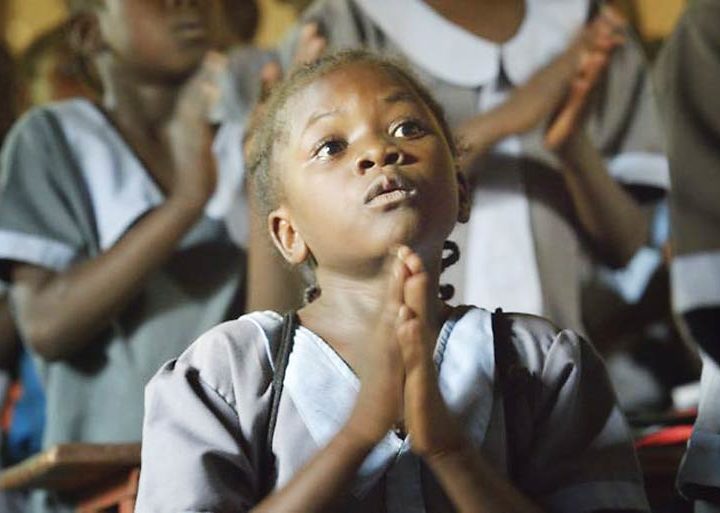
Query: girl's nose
point(381, 156)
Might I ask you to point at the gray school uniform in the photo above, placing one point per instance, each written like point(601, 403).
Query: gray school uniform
point(688, 75)
point(204, 432)
point(521, 248)
point(70, 188)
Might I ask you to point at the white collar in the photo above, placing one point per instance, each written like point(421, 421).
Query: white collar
point(459, 57)
point(323, 388)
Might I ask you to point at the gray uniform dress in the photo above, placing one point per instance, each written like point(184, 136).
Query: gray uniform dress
point(521, 249)
point(205, 426)
point(70, 188)
point(688, 76)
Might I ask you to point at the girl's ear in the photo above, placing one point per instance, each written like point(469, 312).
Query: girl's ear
point(463, 198)
point(85, 35)
point(286, 237)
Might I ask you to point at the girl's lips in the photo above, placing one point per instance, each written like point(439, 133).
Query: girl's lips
point(387, 184)
point(391, 198)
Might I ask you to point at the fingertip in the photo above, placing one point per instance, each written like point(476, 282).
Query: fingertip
point(405, 313)
point(271, 72)
point(402, 251)
point(399, 269)
point(215, 61)
point(309, 29)
point(415, 263)
point(613, 15)
point(210, 91)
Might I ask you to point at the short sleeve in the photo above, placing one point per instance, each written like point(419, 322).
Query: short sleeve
point(580, 457)
point(203, 418)
point(43, 207)
point(625, 122)
point(700, 469)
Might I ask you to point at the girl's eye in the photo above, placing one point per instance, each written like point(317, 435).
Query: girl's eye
point(408, 130)
point(329, 148)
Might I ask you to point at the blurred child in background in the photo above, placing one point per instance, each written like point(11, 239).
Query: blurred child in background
point(114, 235)
point(688, 75)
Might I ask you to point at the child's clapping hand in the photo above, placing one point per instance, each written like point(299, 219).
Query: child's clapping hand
point(433, 429)
point(379, 405)
point(190, 134)
point(590, 54)
point(558, 91)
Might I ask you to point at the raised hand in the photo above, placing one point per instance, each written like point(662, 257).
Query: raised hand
point(591, 51)
point(431, 426)
point(558, 91)
point(310, 46)
point(379, 405)
point(190, 134)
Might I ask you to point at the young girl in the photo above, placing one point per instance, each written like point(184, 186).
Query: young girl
point(537, 213)
point(390, 400)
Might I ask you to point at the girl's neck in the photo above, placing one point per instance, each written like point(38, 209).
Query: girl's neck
point(140, 111)
point(357, 302)
point(140, 108)
point(495, 20)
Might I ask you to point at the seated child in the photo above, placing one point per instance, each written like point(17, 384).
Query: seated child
point(377, 395)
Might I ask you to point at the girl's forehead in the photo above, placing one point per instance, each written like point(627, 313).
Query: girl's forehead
point(351, 85)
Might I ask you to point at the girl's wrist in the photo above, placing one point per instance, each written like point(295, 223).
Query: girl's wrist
point(576, 149)
point(457, 454)
point(186, 204)
point(356, 436)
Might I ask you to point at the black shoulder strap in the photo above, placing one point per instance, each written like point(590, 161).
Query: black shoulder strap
point(506, 365)
point(280, 349)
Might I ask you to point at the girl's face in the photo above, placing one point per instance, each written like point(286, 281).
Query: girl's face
point(157, 37)
point(365, 165)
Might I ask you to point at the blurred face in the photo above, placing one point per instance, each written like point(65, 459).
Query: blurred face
point(157, 37)
point(365, 165)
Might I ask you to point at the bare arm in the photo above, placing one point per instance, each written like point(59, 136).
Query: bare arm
point(474, 486)
point(614, 221)
point(59, 313)
point(527, 106)
point(558, 91)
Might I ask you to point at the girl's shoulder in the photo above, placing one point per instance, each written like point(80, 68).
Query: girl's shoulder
point(530, 341)
point(546, 349)
point(45, 126)
point(232, 356)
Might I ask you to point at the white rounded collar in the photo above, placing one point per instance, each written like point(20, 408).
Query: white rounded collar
point(454, 55)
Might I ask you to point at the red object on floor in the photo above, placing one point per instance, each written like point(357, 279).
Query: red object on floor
point(673, 435)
